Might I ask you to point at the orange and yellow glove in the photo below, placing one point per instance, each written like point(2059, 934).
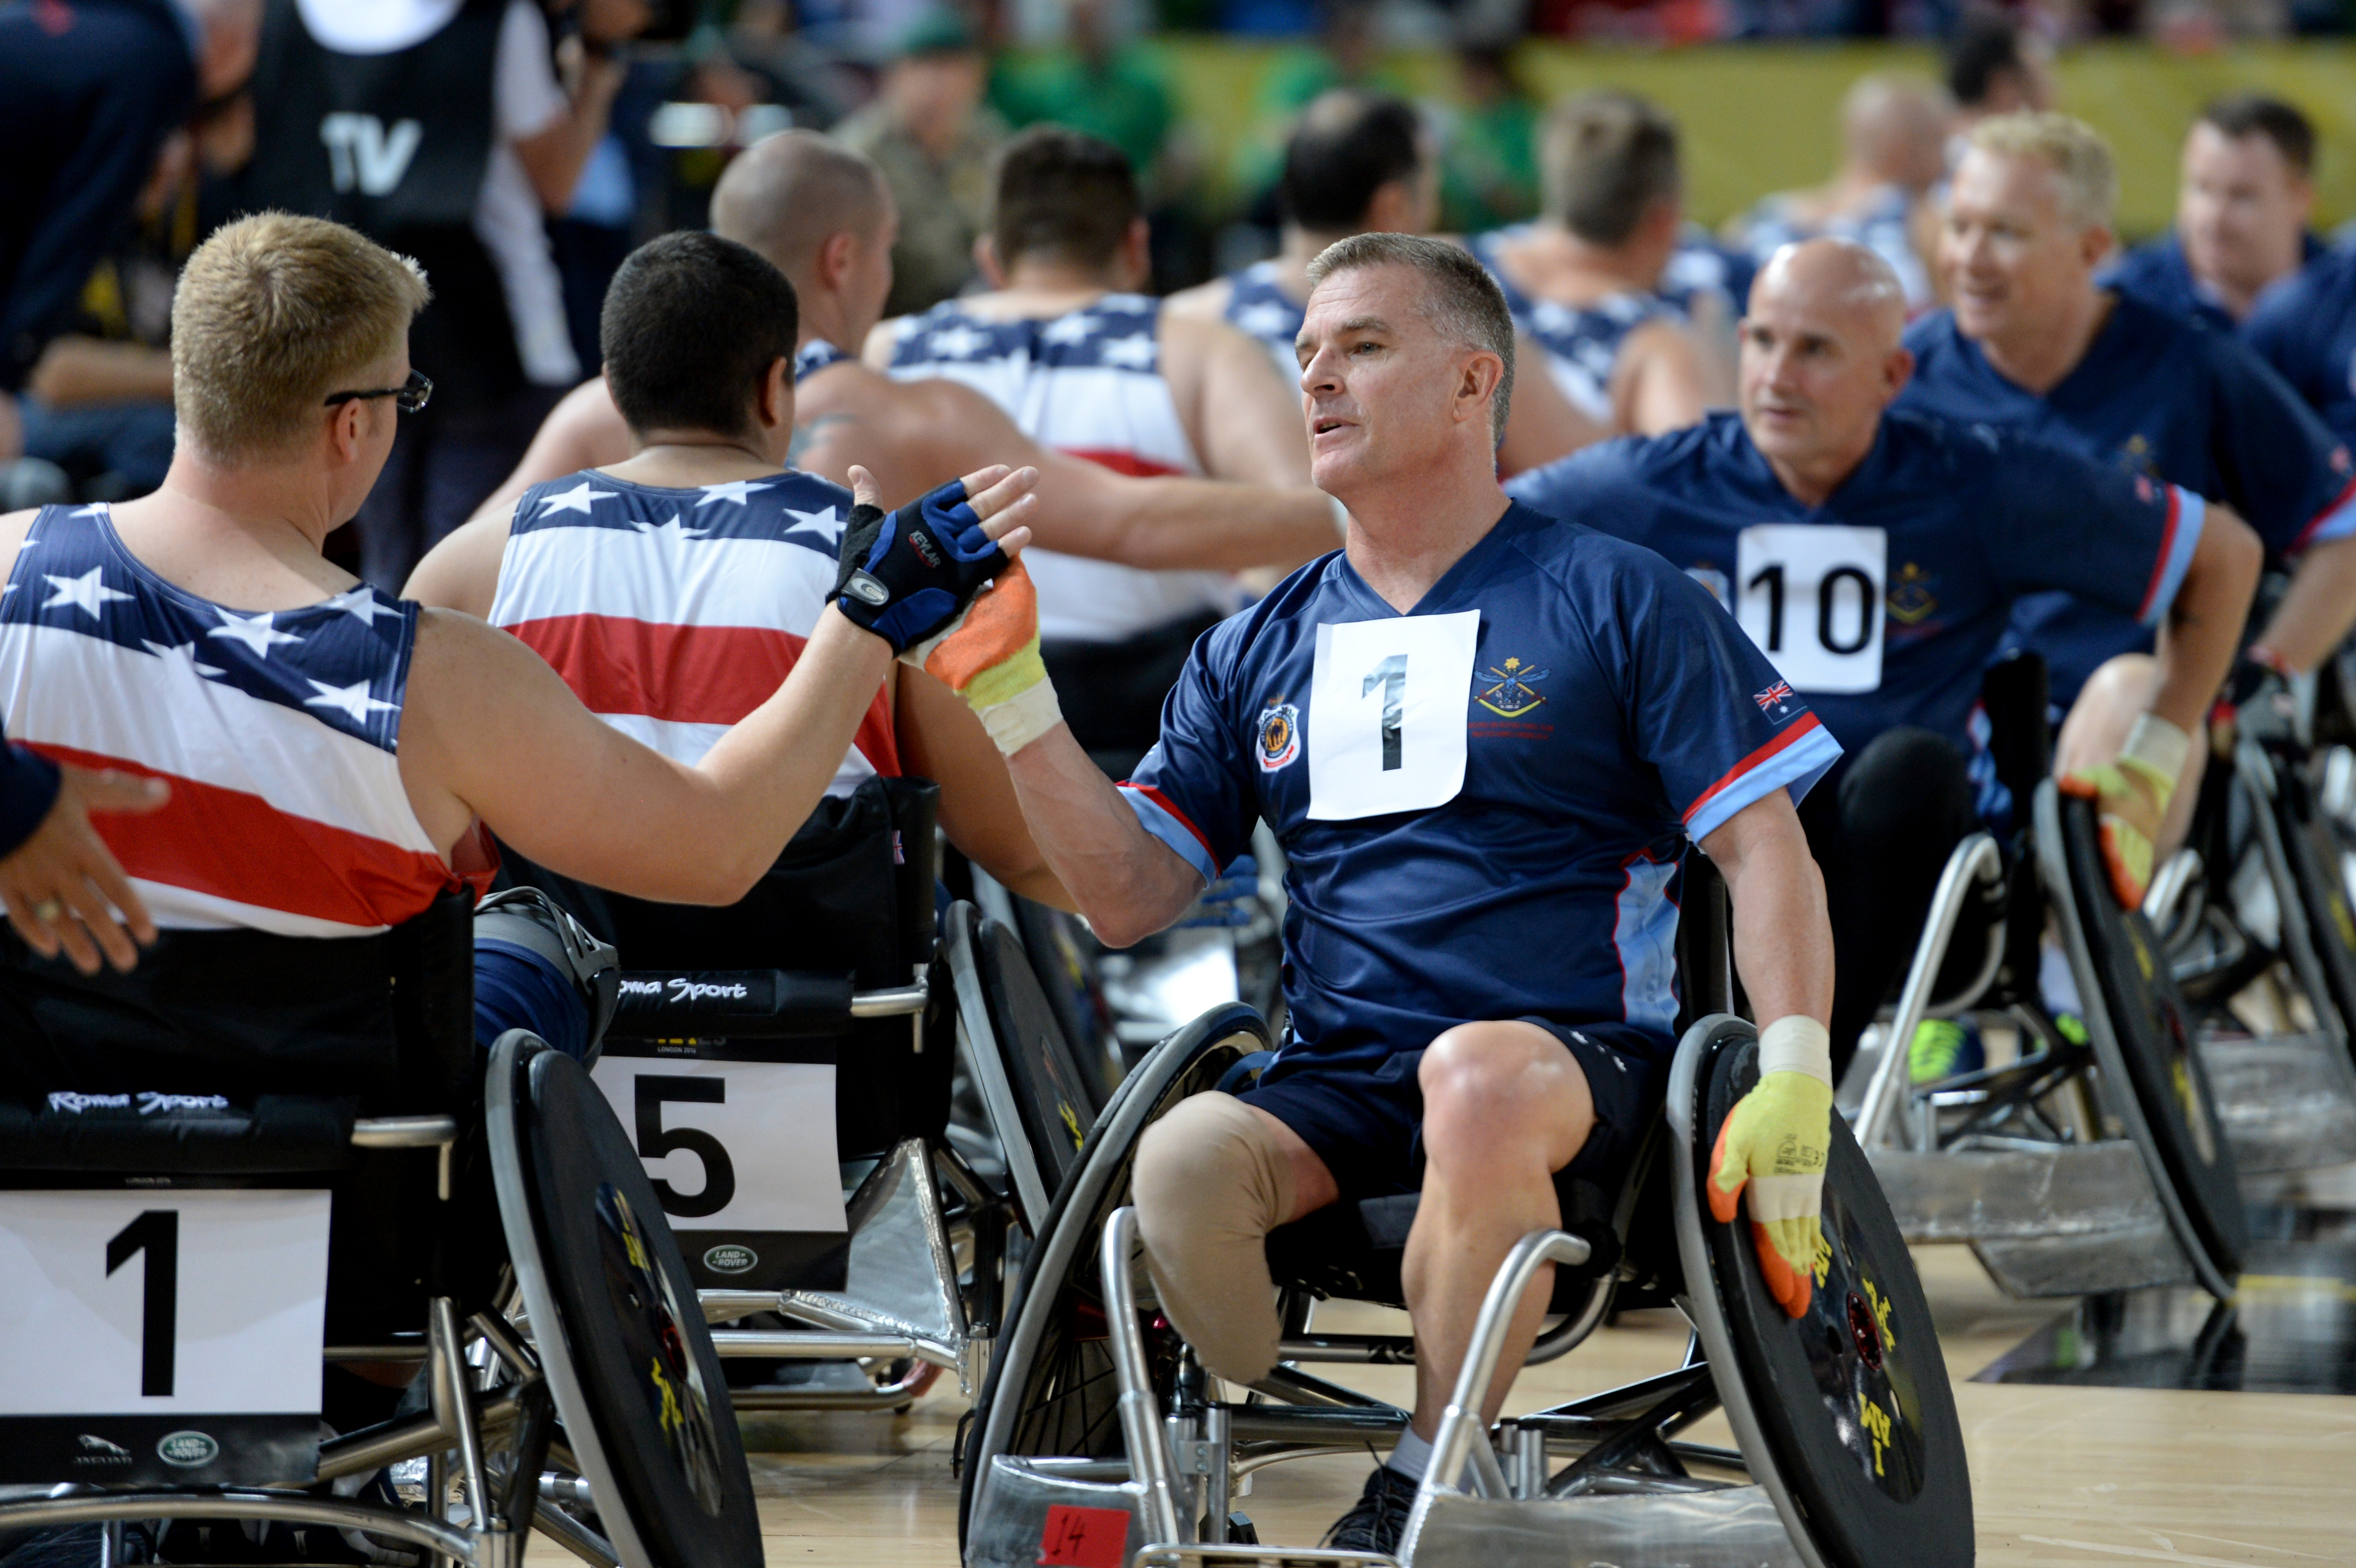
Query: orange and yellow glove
point(1775, 1143)
point(2131, 796)
point(989, 656)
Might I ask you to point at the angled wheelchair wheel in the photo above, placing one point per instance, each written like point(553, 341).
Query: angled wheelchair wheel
point(2143, 1039)
point(2326, 930)
point(639, 1390)
point(1051, 1390)
point(1844, 1415)
point(1040, 1099)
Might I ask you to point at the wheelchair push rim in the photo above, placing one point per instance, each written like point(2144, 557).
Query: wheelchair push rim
point(612, 1311)
point(2143, 1038)
point(1048, 1344)
point(1844, 1415)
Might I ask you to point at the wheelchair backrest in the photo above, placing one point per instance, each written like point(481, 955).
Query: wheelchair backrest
point(1705, 946)
point(386, 1019)
point(852, 892)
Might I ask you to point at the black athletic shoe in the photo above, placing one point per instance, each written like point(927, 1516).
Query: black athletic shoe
point(1379, 1519)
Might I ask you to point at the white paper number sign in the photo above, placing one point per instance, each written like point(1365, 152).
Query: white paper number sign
point(169, 1302)
point(1810, 595)
point(1386, 712)
point(733, 1145)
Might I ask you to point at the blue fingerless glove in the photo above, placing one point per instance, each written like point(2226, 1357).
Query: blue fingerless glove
point(907, 575)
point(1226, 903)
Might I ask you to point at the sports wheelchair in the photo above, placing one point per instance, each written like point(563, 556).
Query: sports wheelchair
point(1099, 1438)
point(754, 1090)
point(2096, 1159)
point(343, 1296)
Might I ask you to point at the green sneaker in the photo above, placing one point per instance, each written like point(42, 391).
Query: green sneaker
point(1941, 1049)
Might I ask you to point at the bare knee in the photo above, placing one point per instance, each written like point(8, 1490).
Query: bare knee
point(1502, 1094)
point(2118, 690)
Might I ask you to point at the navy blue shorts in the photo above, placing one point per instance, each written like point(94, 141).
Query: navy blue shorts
point(1367, 1126)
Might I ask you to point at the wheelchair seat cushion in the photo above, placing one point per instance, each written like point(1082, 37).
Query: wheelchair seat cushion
point(148, 1134)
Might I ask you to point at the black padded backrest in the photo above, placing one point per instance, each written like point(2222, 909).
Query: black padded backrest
point(852, 892)
point(1705, 943)
point(2016, 693)
point(387, 1019)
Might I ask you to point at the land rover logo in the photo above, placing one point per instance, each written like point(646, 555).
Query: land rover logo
point(730, 1259)
point(187, 1449)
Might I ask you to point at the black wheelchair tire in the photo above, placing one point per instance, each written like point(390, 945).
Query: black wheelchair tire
point(1854, 1490)
point(1058, 1098)
point(603, 1279)
point(1040, 1344)
point(2313, 859)
point(2144, 1041)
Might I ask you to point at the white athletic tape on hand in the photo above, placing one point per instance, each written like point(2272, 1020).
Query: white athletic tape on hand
point(1023, 718)
point(1775, 1197)
point(1796, 1044)
point(2158, 743)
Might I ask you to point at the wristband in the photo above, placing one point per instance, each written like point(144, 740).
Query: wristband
point(2156, 749)
point(1797, 1044)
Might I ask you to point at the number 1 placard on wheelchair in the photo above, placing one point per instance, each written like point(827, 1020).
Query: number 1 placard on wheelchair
point(1810, 595)
point(1386, 713)
point(161, 1335)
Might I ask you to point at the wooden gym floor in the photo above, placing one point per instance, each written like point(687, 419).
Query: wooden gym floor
point(2060, 1475)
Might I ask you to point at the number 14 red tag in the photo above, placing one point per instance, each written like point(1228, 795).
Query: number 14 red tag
point(1083, 1538)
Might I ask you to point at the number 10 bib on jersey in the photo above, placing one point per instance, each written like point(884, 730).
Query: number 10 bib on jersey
point(1387, 713)
point(1809, 594)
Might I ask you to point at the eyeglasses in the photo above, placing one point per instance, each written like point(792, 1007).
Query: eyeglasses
point(409, 397)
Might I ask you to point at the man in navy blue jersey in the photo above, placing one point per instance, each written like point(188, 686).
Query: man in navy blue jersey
point(1876, 557)
point(1484, 740)
point(2306, 328)
point(2033, 345)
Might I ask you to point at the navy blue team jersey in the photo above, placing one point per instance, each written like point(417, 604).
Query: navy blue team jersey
point(1484, 804)
point(2162, 397)
point(1258, 308)
point(1945, 526)
point(2156, 274)
point(2304, 326)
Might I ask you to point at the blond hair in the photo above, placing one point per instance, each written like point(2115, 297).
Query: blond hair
point(2073, 149)
point(274, 313)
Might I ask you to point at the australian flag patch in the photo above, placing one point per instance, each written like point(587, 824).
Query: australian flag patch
point(1777, 701)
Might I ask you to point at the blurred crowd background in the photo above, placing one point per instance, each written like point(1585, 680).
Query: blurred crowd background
point(138, 125)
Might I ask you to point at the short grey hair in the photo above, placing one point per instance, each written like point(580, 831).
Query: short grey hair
point(1461, 300)
point(2073, 149)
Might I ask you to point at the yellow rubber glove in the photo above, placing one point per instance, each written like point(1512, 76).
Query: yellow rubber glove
point(1775, 1143)
point(2131, 796)
point(990, 657)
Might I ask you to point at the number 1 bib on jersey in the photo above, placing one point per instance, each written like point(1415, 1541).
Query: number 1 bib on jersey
point(1386, 713)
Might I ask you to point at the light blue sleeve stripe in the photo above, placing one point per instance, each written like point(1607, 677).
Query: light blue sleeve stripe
point(2192, 512)
point(1796, 767)
point(1172, 832)
point(2337, 523)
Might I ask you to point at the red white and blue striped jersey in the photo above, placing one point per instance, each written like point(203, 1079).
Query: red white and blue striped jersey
point(1087, 384)
point(278, 730)
point(1483, 804)
point(673, 613)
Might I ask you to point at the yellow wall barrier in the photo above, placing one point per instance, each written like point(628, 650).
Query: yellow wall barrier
point(1760, 117)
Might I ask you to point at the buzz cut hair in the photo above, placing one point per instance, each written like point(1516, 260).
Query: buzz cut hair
point(272, 315)
point(2241, 115)
point(1461, 300)
point(1607, 158)
point(2073, 149)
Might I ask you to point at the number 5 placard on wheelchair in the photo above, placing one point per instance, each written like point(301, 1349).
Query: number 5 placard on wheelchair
point(738, 1137)
point(167, 1335)
point(1810, 595)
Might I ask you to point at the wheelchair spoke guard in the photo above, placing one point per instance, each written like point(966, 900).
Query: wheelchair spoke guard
point(2144, 1041)
point(1844, 1415)
point(613, 1315)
